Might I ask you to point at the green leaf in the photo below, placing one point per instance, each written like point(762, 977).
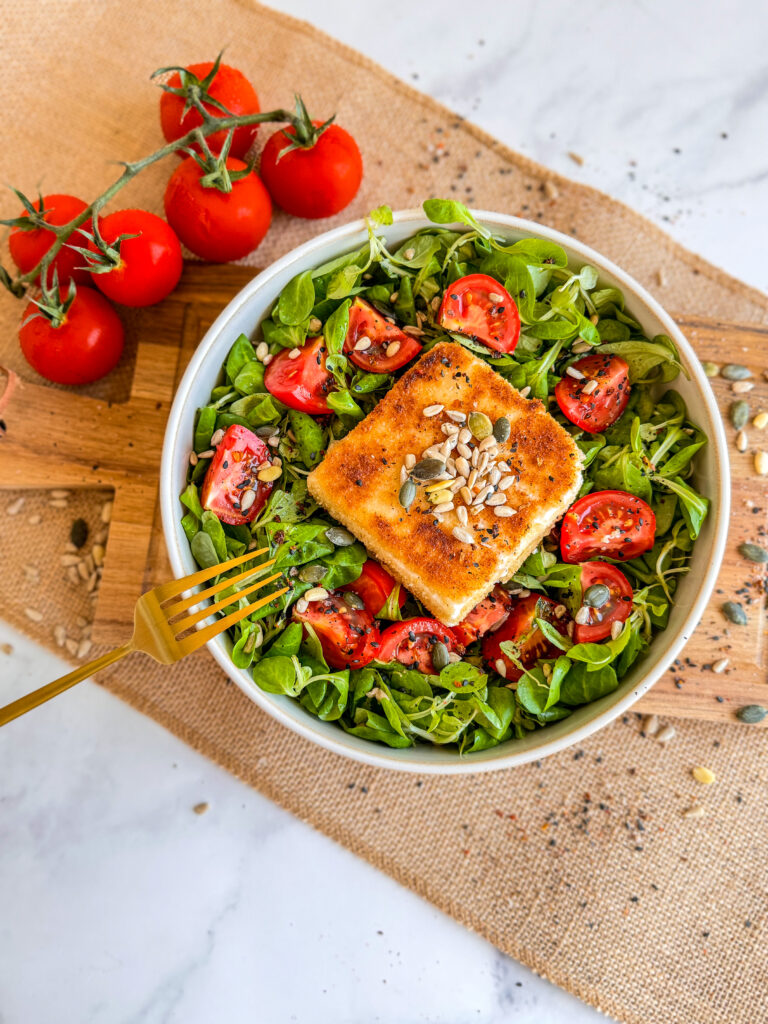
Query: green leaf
point(284, 335)
point(450, 211)
point(595, 656)
point(462, 676)
point(642, 358)
point(343, 281)
point(190, 498)
point(582, 686)
point(203, 550)
point(335, 328)
point(212, 526)
point(310, 437)
point(694, 506)
point(239, 354)
point(250, 378)
point(204, 428)
point(344, 404)
point(382, 215)
point(256, 410)
point(297, 299)
point(564, 643)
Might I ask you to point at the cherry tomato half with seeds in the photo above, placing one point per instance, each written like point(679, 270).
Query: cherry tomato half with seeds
point(374, 586)
point(28, 247)
point(616, 607)
point(595, 406)
point(232, 473)
point(302, 383)
point(607, 524)
point(313, 182)
point(367, 322)
point(231, 89)
point(214, 225)
point(482, 309)
point(484, 617)
point(411, 643)
point(150, 264)
point(349, 636)
point(84, 348)
point(520, 628)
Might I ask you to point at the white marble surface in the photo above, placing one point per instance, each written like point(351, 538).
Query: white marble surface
point(122, 906)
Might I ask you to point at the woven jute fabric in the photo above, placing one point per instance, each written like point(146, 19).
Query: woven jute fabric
point(583, 866)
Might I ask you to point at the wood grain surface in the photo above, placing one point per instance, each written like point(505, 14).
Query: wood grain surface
point(98, 444)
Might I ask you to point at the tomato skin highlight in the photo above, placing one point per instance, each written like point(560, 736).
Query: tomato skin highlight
point(232, 470)
point(607, 524)
point(316, 182)
point(217, 226)
point(365, 321)
point(301, 383)
point(617, 609)
point(397, 645)
point(86, 346)
point(150, 264)
point(467, 308)
point(28, 247)
point(521, 629)
point(232, 89)
point(601, 408)
point(487, 615)
point(349, 637)
point(373, 586)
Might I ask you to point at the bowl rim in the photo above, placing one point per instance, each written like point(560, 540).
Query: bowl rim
point(720, 497)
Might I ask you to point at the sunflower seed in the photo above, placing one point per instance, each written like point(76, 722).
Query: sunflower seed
point(269, 474)
point(443, 507)
point(463, 535)
point(461, 513)
point(650, 725)
point(392, 349)
point(739, 414)
point(710, 369)
point(262, 350)
point(83, 648)
point(449, 429)
point(735, 371)
point(524, 392)
point(596, 595)
point(666, 734)
point(703, 775)
point(482, 463)
point(67, 560)
point(393, 297)
point(462, 466)
point(410, 460)
point(97, 554)
point(504, 511)
point(301, 605)
point(506, 482)
point(571, 371)
point(15, 507)
point(475, 457)
point(428, 469)
point(742, 441)
point(35, 520)
point(71, 646)
point(59, 635)
point(415, 332)
point(294, 353)
point(268, 359)
point(407, 494)
point(697, 811)
point(446, 448)
point(761, 463)
point(583, 616)
point(734, 612)
point(503, 466)
point(494, 476)
point(273, 441)
point(247, 498)
point(33, 614)
point(580, 346)
point(487, 443)
point(60, 494)
point(560, 611)
point(432, 452)
point(721, 665)
point(362, 344)
point(217, 437)
point(616, 628)
point(501, 667)
point(440, 657)
point(479, 424)
point(457, 484)
point(472, 478)
point(464, 450)
point(495, 500)
point(742, 387)
point(760, 421)
point(466, 495)
point(495, 297)
point(456, 416)
point(589, 387)
point(316, 594)
point(314, 325)
point(106, 512)
point(482, 495)
point(752, 713)
point(465, 436)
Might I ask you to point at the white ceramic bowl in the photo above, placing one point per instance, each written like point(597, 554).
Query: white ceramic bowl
point(243, 315)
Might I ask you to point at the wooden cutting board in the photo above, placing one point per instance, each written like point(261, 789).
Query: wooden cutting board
point(117, 446)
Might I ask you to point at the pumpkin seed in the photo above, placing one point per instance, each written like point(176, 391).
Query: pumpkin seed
point(440, 656)
point(339, 537)
point(501, 429)
point(480, 425)
point(353, 601)
point(753, 552)
point(311, 573)
point(596, 595)
point(735, 371)
point(407, 494)
point(78, 533)
point(752, 713)
point(734, 612)
point(739, 414)
point(428, 469)
point(710, 369)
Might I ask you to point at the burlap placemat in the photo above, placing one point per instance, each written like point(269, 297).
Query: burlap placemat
point(586, 866)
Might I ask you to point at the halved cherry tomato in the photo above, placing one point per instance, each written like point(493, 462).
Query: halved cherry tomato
point(481, 308)
point(304, 382)
point(522, 630)
point(150, 263)
point(411, 642)
point(616, 609)
point(233, 471)
point(598, 409)
point(490, 613)
point(349, 637)
point(28, 247)
point(373, 586)
point(607, 524)
point(366, 322)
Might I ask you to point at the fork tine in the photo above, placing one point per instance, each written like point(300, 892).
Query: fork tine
point(170, 589)
point(203, 595)
point(202, 636)
point(204, 613)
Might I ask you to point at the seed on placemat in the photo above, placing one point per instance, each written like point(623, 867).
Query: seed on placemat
point(666, 734)
point(427, 469)
point(735, 371)
point(739, 414)
point(703, 775)
point(440, 656)
point(753, 552)
point(752, 713)
point(734, 612)
point(78, 532)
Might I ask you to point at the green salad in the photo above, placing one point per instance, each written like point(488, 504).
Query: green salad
point(345, 639)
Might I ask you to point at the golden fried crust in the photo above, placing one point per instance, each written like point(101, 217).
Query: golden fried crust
point(359, 480)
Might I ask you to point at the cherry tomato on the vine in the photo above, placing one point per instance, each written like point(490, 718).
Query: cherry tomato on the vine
point(150, 264)
point(85, 347)
point(29, 247)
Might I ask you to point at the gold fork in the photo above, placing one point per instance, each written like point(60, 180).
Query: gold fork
point(157, 629)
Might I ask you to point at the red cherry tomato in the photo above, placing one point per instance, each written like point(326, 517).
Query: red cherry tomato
point(607, 524)
point(214, 225)
point(616, 609)
point(598, 407)
point(366, 322)
point(522, 630)
point(484, 617)
point(482, 309)
point(374, 585)
point(29, 247)
point(314, 182)
point(411, 642)
point(150, 264)
point(84, 348)
point(231, 89)
point(349, 637)
point(232, 471)
point(302, 383)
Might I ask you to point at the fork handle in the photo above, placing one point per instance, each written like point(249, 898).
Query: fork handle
point(44, 693)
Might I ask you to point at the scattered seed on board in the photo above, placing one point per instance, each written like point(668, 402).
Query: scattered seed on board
point(59, 503)
point(742, 387)
point(650, 725)
point(761, 463)
point(67, 560)
point(734, 612)
point(739, 414)
point(710, 369)
point(721, 665)
point(742, 442)
point(735, 371)
point(35, 520)
point(666, 734)
point(752, 713)
point(753, 552)
point(15, 507)
point(760, 421)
